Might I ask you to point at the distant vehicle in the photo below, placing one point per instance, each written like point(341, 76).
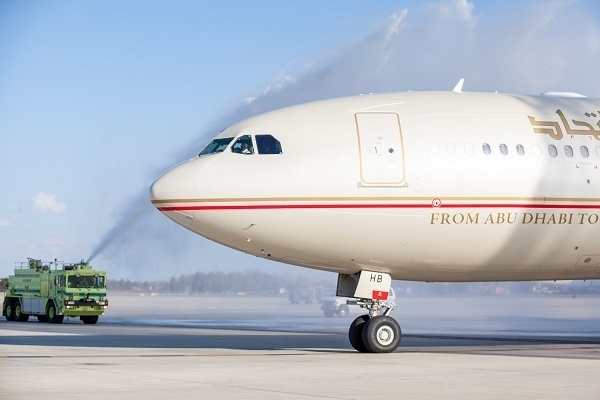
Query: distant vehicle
point(583, 287)
point(551, 287)
point(418, 186)
point(343, 306)
point(308, 295)
point(73, 290)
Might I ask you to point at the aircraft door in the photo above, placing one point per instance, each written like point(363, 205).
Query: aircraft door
point(381, 149)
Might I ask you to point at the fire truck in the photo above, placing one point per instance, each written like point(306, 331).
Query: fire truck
point(54, 290)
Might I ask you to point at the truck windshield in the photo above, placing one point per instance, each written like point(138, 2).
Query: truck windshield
point(90, 282)
point(216, 146)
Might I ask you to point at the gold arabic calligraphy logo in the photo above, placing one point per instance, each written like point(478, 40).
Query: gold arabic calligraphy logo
point(555, 129)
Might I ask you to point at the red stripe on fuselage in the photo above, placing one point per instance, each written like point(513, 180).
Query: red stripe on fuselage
point(218, 207)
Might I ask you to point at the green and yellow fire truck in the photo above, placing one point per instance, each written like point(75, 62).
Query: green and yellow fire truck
point(53, 290)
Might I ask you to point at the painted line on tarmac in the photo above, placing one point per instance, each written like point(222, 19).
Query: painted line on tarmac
point(10, 332)
point(156, 355)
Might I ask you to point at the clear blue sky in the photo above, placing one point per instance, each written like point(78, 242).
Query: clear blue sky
point(98, 97)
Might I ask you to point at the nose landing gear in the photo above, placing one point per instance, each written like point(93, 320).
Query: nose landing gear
point(373, 332)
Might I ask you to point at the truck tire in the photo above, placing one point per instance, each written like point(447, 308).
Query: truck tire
point(9, 310)
point(42, 318)
point(18, 311)
point(51, 314)
point(343, 310)
point(91, 319)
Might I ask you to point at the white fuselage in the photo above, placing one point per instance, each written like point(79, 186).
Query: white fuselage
point(403, 184)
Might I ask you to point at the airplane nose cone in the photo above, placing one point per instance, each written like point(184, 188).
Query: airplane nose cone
point(173, 190)
point(176, 184)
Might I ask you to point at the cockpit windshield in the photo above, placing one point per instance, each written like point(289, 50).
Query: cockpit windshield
point(243, 145)
point(216, 146)
point(267, 144)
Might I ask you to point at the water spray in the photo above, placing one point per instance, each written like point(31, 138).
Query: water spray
point(130, 217)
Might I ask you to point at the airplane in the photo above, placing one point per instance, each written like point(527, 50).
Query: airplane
point(426, 186)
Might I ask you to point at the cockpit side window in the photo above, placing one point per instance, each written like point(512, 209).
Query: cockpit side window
point(267, 144)
point(243, 145)
point(215, 146)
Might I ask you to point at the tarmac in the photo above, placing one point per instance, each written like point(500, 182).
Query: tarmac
point(244, 347)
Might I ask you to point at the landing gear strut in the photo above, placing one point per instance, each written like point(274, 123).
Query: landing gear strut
point(375, 332)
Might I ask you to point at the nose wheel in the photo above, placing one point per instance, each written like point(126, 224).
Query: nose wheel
point(378, 334)
point(375, 332)
point(355, 333)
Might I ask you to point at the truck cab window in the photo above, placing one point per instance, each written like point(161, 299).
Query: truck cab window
point(99, 282)
point(243, 145)
point(267, 144)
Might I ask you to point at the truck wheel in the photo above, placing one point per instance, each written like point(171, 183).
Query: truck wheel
point(51, 314)
point(19, 316)
point(92, 319)
point(343, 310)
point(9, 311)
point(42, 318)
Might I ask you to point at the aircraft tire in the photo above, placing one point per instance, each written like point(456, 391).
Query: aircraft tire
point(381, 334)
point(355, 333)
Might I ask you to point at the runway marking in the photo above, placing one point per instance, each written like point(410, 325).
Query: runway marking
point(155, 355)
point(9, 332)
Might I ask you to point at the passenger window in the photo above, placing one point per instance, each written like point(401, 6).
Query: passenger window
point(469, 148)
point(267, 144)
point(569, 151)
point(451, 148)
point(435, 148)
point(584, 151)
point(243, 145)
point(552, 150)
point(520, 150)
point(503, 149)
point(487, 150)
